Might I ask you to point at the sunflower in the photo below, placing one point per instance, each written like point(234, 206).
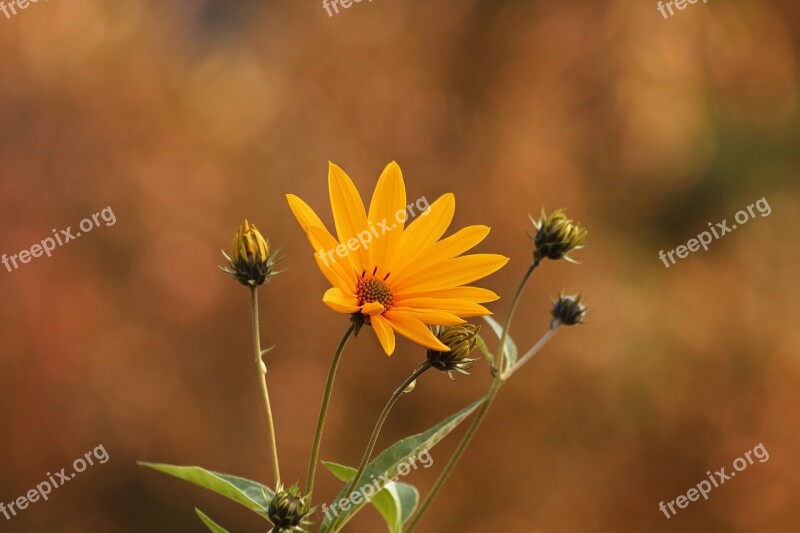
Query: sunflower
point(398, 278)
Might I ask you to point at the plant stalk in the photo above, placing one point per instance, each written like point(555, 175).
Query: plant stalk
point(262, 378)
point(323, 412)
point(373, 439)
point(499, 371)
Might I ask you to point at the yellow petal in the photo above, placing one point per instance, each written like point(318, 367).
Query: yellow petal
point(349, 216)
point(303, 213)
point(453, 272)
point(452, 246)
point(388, 200)
point(372, 308)
point(431, 316)
point(461, 308)
point(472, 294)
point(340, 301)
point(425, 230)
point(384, 332)
point(332, 276)
point(336, 269)
point(413, 329)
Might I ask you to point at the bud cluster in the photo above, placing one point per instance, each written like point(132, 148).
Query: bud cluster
point(288, 511)
point(462, 341)
point(556, 236)
point(568, 309)
point(250, 261)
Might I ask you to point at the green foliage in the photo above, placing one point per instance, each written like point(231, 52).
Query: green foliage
point(250, 494)
point(385, 465)
point(210, 524)
point(511, 347)
point(396, 501)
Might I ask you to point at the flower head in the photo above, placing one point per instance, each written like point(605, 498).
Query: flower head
point(462, 341)
point(288, 511)
point(397, 277)
point(568, 309)
point(250, 261)
point(556, 236)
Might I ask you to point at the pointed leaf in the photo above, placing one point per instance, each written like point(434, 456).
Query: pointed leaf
point(511, 347)
point(385, 466)
point(210, 524)
point(395, 501)
point(252, 495)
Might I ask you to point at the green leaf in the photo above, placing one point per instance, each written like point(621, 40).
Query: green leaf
point(395, 501)
point(481, 345)
point(407, 497)
point(210, 524)
point(252, 495)
point(385, 467)
point(511, 347)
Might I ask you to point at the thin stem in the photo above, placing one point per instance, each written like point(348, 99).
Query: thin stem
point(373, 439)
point(536, 347)
point(262, 378)
point(323, 412)
point(487, 403)
point(500, 360)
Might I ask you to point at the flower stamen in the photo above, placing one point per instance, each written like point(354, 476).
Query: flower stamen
point(373, 289)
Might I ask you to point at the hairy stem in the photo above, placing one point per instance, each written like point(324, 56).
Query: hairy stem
point(262, 378)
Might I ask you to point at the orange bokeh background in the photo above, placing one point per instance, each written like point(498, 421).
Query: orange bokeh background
point(187, 116)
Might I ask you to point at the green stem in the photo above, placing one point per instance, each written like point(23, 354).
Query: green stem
point(373, 439)
point(262, 378)
point(323, 412)
point(500, 361)
point(533, 351)
point(487, 403)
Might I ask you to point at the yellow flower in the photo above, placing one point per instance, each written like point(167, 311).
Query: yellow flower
point(398, 278)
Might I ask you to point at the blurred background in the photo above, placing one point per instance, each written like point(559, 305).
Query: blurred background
point(187, 116)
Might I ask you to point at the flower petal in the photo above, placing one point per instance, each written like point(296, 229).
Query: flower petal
point(424, 231)
point(413, 329)
point(303, 213)
point(473, 294)
point(388, 200)
point(454, 245)
point(339, 272)
point(453, 272)
point(434, 317)
point(384, 332)
point(461, 308)
point(372, 308)
point(349, 215)
point(340, 301)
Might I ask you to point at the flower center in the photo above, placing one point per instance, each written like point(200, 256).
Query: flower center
point(374, 289)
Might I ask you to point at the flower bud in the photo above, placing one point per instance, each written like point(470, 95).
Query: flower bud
point(461, 340)
point(568, 309)
point(288, 511)
point(556, 236)
point(250, 261)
